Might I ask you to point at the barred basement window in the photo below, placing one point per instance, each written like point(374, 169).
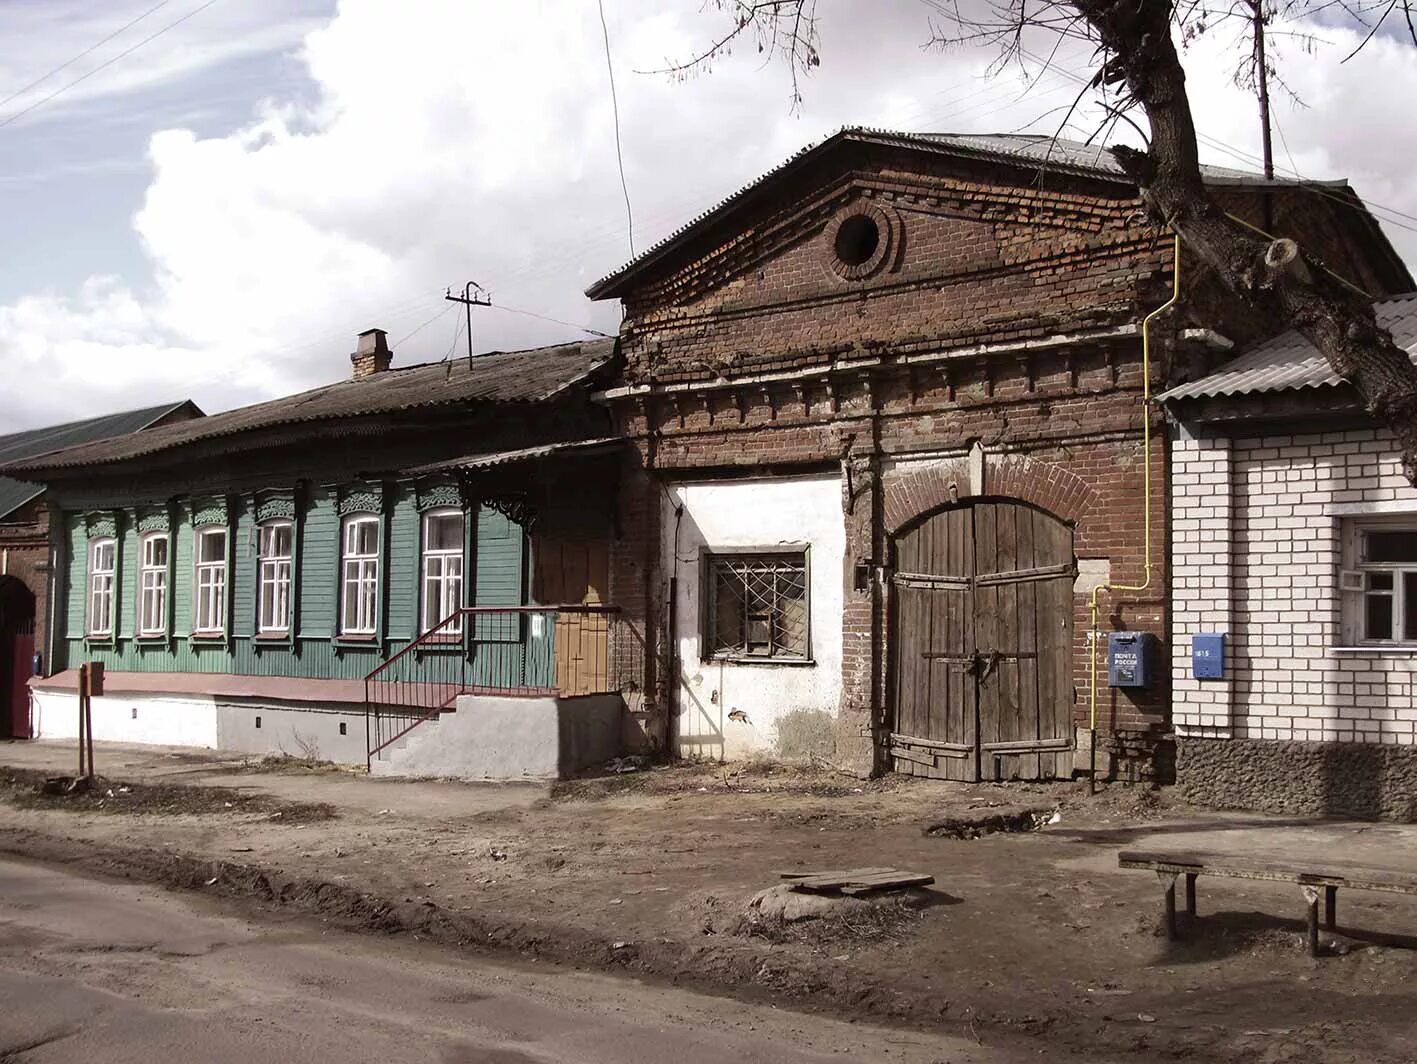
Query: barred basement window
point(152, 585)
point(756, 606)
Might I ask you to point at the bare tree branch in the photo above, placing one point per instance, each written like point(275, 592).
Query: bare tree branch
point(1138, 69)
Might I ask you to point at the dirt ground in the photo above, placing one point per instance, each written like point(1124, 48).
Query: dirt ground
point(1031, 937)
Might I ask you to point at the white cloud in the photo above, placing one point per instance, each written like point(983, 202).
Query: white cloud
point(447, 140)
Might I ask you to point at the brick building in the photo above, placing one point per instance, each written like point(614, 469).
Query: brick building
point(887, 412)
point(25, 547)
point(1295, 538)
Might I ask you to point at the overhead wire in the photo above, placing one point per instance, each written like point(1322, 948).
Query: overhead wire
point(86, 52)
point(446, 310)
point(615, 111)
point(547, 317)
point(102, 66)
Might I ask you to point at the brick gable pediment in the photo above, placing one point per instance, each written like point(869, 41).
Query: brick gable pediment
point(950, 261)
point(926, 223)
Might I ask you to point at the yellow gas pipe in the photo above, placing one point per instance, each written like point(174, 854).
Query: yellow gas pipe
point(1146, 501)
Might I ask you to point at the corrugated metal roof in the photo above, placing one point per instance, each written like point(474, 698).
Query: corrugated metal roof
point(1066, 156)
point(1290, 362)
point(19, 445)
point(500, 377)
point(497, 458)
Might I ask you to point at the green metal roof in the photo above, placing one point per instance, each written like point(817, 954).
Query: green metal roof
point(15, 493)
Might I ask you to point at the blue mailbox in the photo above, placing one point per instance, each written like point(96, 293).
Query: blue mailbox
point(1208, 655)
point(1130, 656)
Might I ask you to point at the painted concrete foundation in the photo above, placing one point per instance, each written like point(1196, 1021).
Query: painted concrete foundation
point(1366, 781)
point(490, 738)
point(240, 727)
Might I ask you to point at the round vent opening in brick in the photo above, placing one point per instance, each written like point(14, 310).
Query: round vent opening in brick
point(857, 240)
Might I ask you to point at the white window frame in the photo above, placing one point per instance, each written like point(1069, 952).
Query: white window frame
point(153, 583)
point(360, 571)
point(274, 571)
point(102, 582)
point(1357, 578)
point(435, 578)
point(209, 583)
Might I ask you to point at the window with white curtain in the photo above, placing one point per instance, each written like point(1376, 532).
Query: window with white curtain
point(442, 570)
point(359, 567)
point(277, 539)
point(103, 561)
point(210, 581)
point(152, 585)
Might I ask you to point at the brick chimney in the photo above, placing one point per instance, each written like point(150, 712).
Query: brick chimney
point(372, 355)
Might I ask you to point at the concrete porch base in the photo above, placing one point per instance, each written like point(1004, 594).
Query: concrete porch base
point(498, 738)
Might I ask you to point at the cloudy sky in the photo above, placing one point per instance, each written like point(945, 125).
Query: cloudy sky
point(218, 212)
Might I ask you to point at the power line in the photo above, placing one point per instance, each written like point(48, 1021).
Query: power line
point(103, 66)
point(547, 317)
point(457, 331)
point(87, 51)
point(615, 111)
point(425, 325)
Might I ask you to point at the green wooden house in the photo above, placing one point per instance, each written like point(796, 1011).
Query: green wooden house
point(325, 573)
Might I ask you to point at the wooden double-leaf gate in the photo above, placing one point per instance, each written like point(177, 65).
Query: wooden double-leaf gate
point(982, 634)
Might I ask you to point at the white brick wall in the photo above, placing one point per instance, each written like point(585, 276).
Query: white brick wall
point(1256, 553)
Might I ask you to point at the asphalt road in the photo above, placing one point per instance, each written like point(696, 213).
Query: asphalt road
point(113, 972)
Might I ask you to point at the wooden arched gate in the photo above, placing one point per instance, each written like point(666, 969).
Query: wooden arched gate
point(981, 635)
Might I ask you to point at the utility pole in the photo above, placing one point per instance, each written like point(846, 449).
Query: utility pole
point(469, 300)
point(1257, 20)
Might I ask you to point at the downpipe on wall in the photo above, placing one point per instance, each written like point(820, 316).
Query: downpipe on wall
point(1092, 605)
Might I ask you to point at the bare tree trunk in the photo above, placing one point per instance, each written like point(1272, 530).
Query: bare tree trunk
point(1272, 277)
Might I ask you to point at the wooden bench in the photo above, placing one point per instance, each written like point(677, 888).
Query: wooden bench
point(1312, 878)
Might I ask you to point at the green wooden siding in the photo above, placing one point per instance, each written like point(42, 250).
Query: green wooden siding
point(404, 540)
point(497, 548)
point(180, 595)
point(499, 579)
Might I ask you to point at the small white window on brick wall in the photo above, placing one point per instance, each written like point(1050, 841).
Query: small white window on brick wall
point(1379, 582)
point(756, 606)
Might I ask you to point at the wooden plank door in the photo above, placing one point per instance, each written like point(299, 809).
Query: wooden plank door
point(982, 644)
point(576, 571)
point(936, 726)
point(1023, 585)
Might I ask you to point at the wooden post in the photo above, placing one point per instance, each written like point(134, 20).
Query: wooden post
point(83, 716)
point(88, 722)
point(90, 684)
point(1331, 908)
point(1311, 895)
point(1191, 895)
point(1168, 882)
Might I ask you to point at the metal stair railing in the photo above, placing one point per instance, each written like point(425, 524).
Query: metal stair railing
point(516, 651)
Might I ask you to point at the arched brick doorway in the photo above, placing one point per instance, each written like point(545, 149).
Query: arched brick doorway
point(981, 634)
point(16, 654)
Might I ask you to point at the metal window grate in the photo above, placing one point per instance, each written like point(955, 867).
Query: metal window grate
point(758, 605)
